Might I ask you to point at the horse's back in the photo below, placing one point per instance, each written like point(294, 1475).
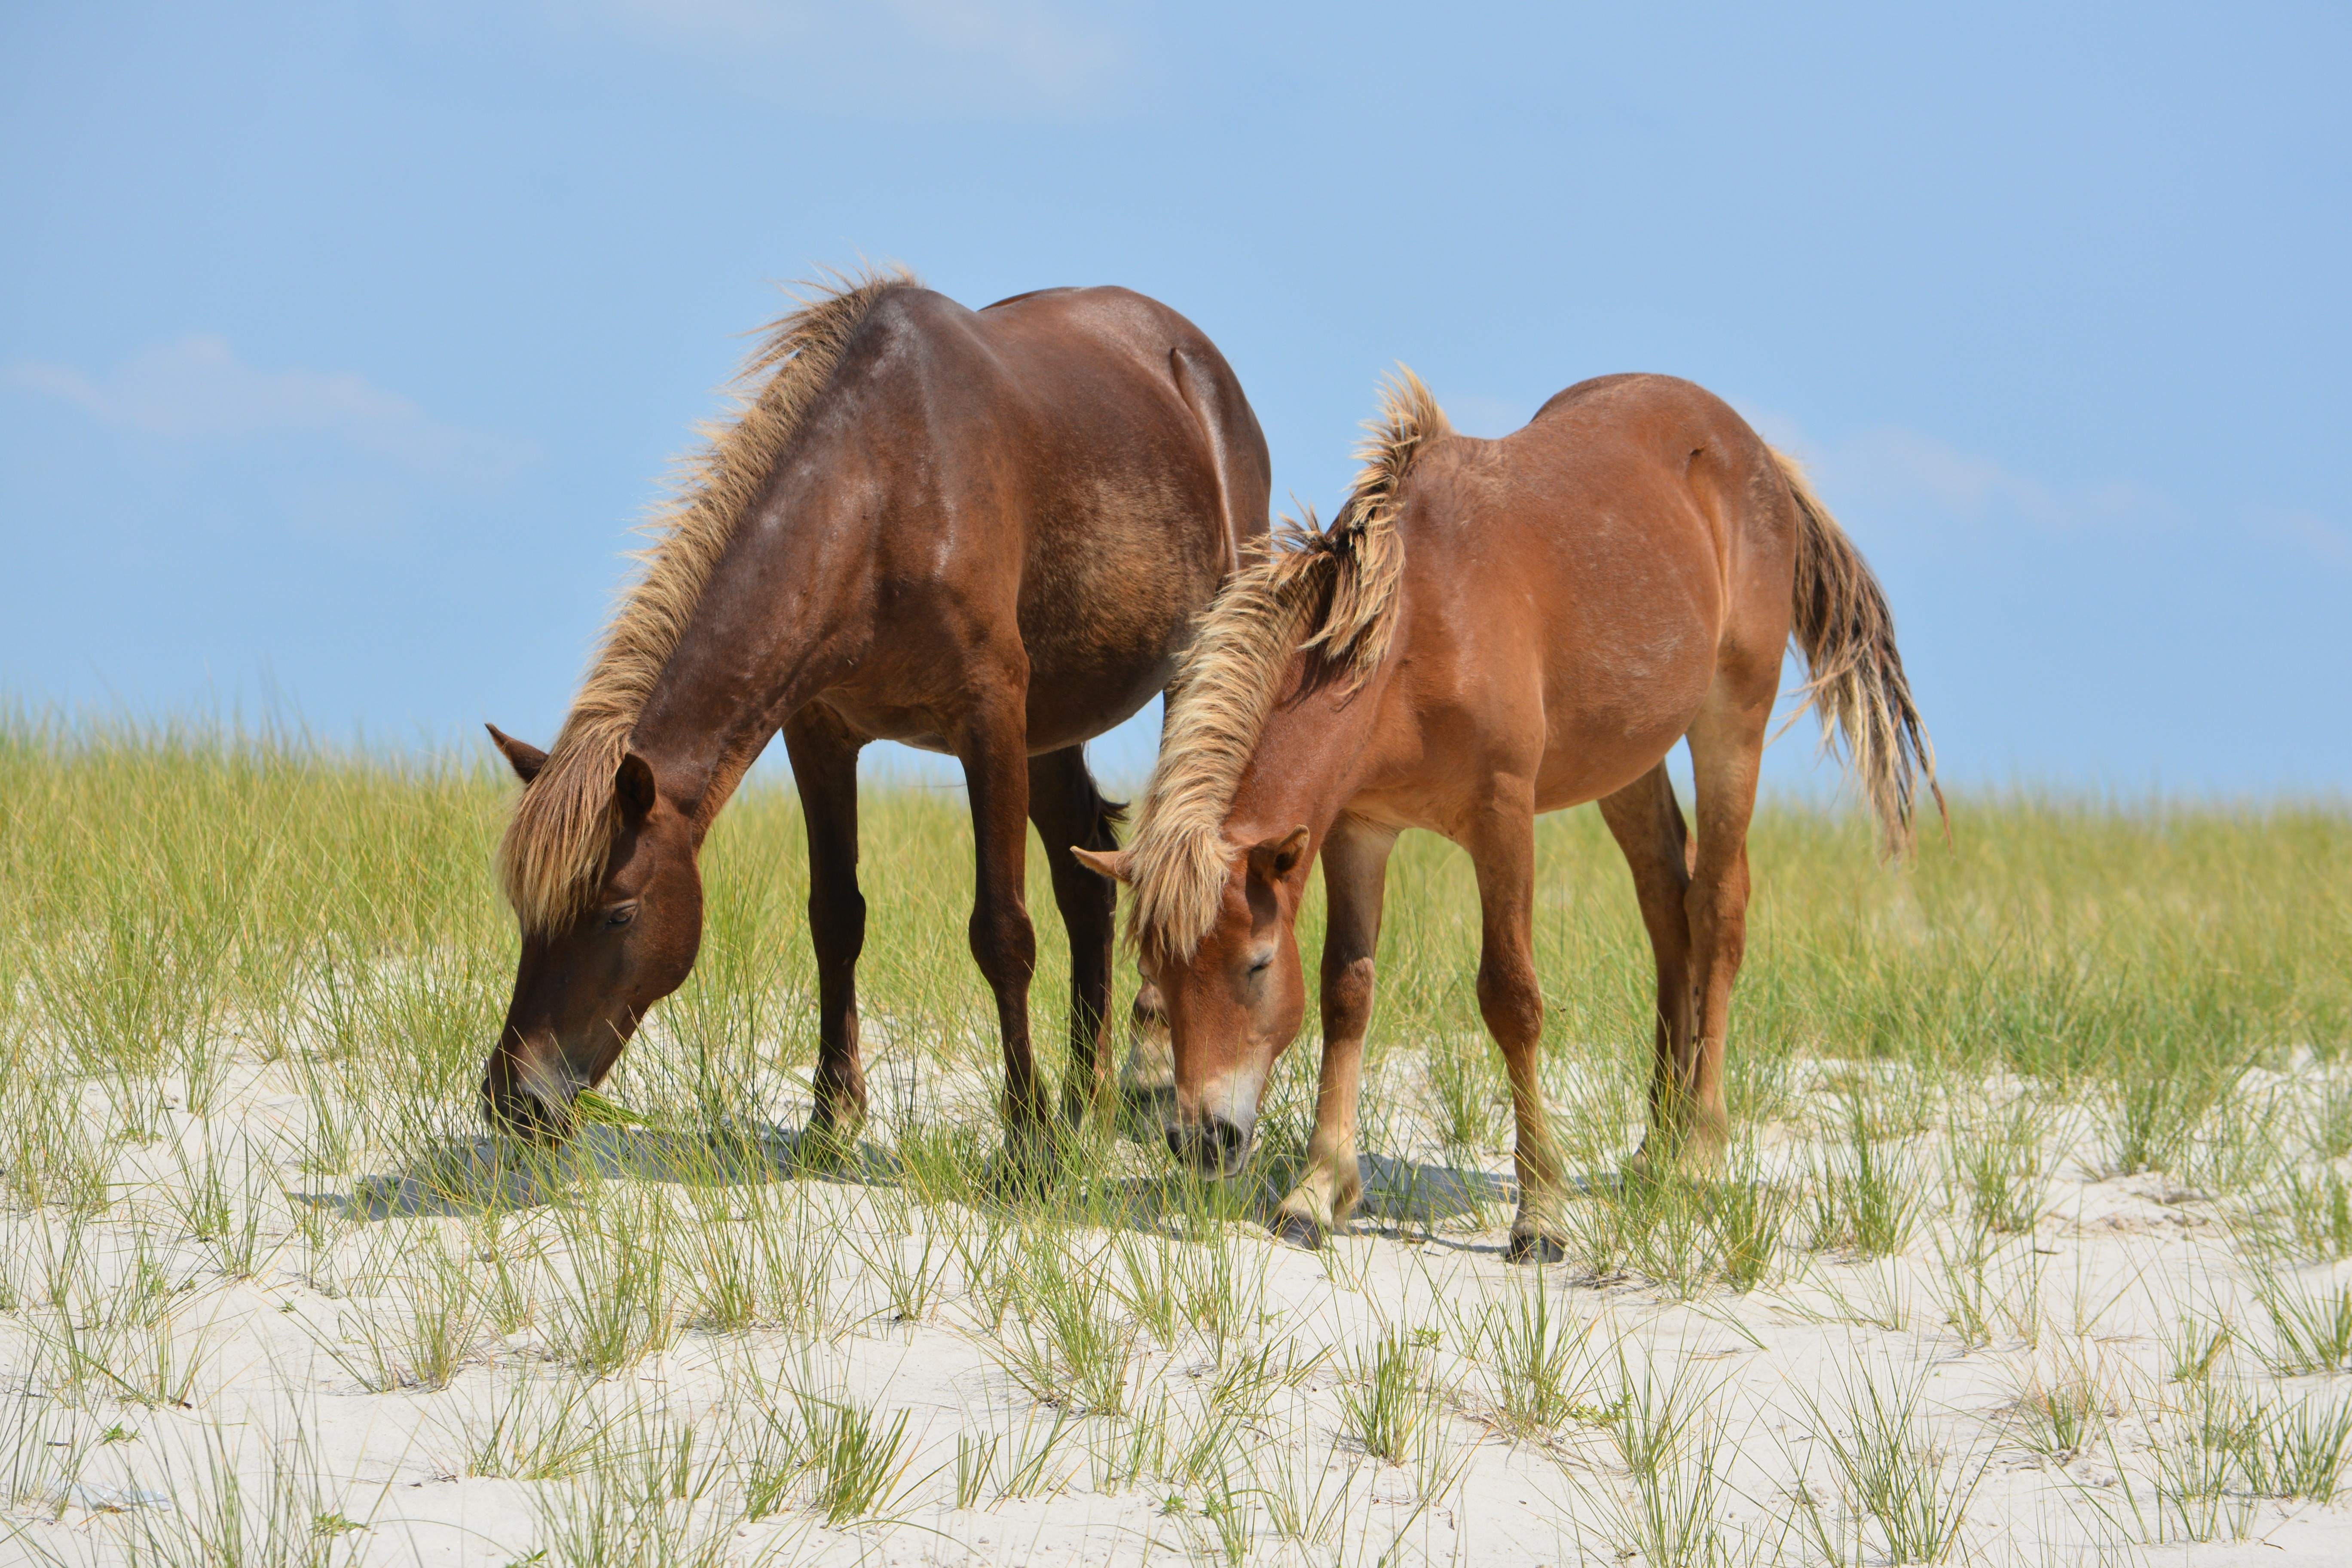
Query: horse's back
point(1100, 464)
point(1583, 579)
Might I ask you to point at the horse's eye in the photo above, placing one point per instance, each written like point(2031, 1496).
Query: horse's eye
point(1263, 965)
point(620, 917)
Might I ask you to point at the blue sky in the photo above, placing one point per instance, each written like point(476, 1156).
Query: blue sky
point(340, 346)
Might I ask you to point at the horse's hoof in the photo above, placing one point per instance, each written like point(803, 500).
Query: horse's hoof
point(1020, 1172)
point(1536, 1250)
point(1296, 1230)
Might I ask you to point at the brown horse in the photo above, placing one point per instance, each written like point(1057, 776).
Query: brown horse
point(987, 533)
point(1491, 630)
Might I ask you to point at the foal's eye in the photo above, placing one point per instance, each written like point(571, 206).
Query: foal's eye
point(1263, 965)
point(620, 917)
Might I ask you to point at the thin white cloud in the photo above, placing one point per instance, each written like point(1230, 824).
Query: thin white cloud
point(1892, 473)
point(1893, 470)
point(2323, 539)
point(1045, 47)
point(1919, 469)
point(1014, 56)
point(198, 390)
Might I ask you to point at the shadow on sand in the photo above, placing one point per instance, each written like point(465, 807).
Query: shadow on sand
point(486, 1174)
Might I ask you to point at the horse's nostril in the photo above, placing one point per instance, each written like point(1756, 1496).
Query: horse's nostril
point(1230, 1139)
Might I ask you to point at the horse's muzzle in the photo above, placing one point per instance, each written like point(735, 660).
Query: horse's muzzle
point(519, 1113)
point(1213, 1146)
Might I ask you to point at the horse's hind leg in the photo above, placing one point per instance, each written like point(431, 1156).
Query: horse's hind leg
point(1648, 825)
point(825, 770)
point(1355, 873)
point(1726, 746)
point(1069, 810)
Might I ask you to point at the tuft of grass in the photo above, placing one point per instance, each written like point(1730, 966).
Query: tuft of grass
point(419, 1341)
point(539, 1429)
point(2301, 1451)
point(1997, 1164)
point(1889, 1465)
point(613, 1301)
point(1065, 1345)
point(2060, 1418)
point(2307, 1216)
point(1866, 1196)
point(288, 1516)
point(857, 1466)
point(2194, 1348)
point(1386, 1405)
point(1542, 1373)
point(2311, 1327)
point(1670, 1440)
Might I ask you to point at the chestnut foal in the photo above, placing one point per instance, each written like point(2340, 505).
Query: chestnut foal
point(1491, 630)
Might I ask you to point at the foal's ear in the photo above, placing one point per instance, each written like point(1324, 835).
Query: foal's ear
point(633, 782)
point(1112, 863)
point(1274, 859)
point(521, 755)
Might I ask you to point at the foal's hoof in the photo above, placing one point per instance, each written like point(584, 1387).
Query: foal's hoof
point(1536, 1250)
point(1296, 1230)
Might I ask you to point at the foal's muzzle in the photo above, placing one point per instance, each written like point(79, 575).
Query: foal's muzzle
point(1213, 1146)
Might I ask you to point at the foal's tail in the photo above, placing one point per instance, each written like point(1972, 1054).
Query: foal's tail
point(1847, 633)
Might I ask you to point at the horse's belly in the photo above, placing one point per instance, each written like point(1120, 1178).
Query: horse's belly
point(1618, 725)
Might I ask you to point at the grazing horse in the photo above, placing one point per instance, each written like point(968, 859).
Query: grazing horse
point(987, 533)
point(1488, 630)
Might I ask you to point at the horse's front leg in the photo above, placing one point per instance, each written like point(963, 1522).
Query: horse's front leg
point(1502, 846)
point(994, 752)
point(1355, 873)
point(825, 770)
point(1070, 811)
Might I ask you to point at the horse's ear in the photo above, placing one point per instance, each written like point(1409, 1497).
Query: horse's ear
point(1275, 858)
point(1112, 863)
point(633, 782)
point(521, 755)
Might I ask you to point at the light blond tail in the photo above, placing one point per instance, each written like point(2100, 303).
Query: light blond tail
point(1854, 676)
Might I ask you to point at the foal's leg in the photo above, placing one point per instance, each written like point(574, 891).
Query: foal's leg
point(1069, 810)
point(1726, 746)
point(825, 770)
point(1355, 873)
point(1648, 824)
point(1502, 845)
point(995, 750)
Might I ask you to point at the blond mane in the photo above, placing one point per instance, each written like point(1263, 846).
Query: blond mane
point(552, 857)
point(1330, 593)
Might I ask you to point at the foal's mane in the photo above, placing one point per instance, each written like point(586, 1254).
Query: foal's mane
point(1329, 593)
point(552, 857)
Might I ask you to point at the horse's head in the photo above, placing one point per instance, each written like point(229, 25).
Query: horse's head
point(1233, 1001)
point(588, 975)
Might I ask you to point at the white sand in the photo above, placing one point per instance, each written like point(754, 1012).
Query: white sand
point(2098, 1290)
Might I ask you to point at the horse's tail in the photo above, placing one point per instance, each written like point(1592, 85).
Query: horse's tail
point(1856, 681)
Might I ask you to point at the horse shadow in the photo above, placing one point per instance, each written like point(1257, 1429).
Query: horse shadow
point(487, 1173)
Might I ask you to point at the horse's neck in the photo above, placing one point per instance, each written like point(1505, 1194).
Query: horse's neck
point(751, 656)
point(1309, 763)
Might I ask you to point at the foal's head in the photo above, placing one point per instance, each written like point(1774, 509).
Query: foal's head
point(1233, 998)
point(594, 963)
